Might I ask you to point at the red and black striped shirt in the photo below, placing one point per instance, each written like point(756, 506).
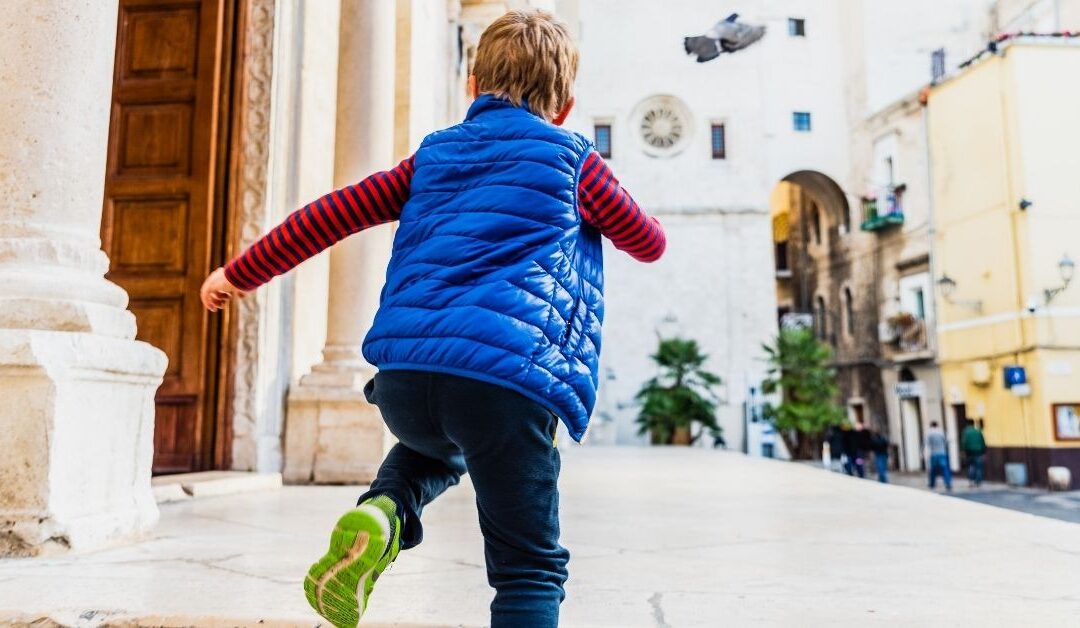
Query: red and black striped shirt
point(379, 198)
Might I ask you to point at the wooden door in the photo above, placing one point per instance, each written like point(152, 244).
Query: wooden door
point(163, 217)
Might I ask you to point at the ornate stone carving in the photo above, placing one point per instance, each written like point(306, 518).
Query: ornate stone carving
point(250, 215)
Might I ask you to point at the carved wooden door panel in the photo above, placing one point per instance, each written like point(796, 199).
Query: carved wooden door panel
point(162, 224)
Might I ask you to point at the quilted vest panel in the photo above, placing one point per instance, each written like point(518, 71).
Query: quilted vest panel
point(493, 274)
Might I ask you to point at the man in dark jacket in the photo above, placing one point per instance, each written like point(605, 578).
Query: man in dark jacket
point(974, 447)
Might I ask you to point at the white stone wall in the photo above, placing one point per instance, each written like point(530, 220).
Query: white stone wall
point(716, 278)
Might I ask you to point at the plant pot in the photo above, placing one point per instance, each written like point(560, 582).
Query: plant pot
point(681, 436)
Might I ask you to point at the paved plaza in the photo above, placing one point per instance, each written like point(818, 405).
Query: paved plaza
point(659, 538)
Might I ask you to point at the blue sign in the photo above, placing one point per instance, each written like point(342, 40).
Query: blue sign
point(1015, 376)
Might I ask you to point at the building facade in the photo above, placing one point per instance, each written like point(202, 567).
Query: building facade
point(1004, 193)
point(851, 252)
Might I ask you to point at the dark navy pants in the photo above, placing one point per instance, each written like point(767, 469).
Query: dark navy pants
point(448, 425)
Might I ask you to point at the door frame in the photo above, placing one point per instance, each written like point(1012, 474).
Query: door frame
point(221, 334)
point(215, 433)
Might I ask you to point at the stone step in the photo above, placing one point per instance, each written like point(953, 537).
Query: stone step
point(171, 488)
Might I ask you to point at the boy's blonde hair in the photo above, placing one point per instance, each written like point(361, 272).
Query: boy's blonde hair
point(528, 56)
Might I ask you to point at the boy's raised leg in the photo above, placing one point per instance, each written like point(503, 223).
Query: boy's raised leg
point(387, 517)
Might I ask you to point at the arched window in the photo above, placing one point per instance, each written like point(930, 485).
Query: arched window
point(849, 312)
point(820, 318)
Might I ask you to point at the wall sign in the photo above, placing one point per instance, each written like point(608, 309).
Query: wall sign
point(909, 390)
point(1014, 376)
point(1066, 417)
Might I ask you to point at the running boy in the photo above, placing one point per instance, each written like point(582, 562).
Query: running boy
point(488, 331)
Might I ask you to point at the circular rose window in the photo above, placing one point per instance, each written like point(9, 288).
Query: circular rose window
point(663, 125)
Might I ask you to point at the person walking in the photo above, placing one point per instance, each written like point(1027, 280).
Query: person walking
point(847, 440)
point(973, 445)
point(879, 443)
point(937, 451)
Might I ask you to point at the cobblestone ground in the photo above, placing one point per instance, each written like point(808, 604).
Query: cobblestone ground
point(659, 538)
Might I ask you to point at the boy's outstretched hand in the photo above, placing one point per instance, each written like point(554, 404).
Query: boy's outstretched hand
point(217, 291)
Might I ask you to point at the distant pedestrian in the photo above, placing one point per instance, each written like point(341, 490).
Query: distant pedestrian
point(835, 438)
point(974, 447)
point(857, 447)
point(937, 452)
point(880, 445)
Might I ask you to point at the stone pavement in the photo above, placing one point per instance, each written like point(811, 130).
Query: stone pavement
point(1036, 501)
point(659, 538)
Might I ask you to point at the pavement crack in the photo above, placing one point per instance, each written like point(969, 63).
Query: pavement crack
point(657, 611)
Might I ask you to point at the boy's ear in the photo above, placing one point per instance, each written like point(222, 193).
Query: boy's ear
point(564, 112)
point(471, 88)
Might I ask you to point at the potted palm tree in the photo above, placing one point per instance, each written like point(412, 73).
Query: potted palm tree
point(681, 395)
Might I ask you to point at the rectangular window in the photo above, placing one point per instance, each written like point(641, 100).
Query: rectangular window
point(602, 137)
point(937, 65)
point(796, 27)
point(719, 142)
point(801, 121)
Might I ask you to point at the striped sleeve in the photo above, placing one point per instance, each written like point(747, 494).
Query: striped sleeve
point(320, 224)
point(608, 207)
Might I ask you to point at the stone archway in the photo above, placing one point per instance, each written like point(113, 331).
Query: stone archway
point(809, 209)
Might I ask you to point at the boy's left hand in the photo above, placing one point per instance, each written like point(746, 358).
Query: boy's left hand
point(217, 291)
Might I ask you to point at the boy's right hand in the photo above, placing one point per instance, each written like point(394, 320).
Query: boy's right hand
point(217, 291)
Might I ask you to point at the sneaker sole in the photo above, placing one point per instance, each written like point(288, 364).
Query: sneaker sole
point(338, 585)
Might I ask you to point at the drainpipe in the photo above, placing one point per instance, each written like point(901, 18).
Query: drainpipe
point(932, 339)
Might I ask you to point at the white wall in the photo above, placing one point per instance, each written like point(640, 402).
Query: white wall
point(899, 38)
point(717, 275)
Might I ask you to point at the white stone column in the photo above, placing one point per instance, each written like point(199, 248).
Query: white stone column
point(77, 390)
point(332, 433)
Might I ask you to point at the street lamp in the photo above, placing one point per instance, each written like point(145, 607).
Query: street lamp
point(1066, 268)
point(947, 285)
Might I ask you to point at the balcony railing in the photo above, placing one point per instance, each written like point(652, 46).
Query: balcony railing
point(914, 338)
point(884, 211)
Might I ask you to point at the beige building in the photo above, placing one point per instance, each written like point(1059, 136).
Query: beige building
point(1005, 191)
point(144, 143)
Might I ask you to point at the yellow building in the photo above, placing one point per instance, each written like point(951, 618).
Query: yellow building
point(1006, 192)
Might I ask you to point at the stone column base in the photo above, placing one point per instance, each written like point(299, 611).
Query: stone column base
point(78, 437)
point(332, 435)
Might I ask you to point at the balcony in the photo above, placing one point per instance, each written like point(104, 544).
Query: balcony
point(909, 336)
point(884, 211)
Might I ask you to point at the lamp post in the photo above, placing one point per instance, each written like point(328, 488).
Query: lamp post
point(1066, 269)
point(947, 285)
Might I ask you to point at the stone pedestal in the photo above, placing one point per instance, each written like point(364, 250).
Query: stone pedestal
point(332, 434)
point(76, 389)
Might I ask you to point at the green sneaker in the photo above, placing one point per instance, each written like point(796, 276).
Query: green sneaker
point(364, 543)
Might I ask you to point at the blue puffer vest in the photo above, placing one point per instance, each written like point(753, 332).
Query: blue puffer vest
point(493, 274)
